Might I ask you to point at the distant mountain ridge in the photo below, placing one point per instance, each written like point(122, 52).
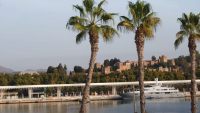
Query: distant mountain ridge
point(6, 70)
point(38, 70)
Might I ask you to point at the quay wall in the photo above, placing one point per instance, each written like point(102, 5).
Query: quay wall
point(61, 99)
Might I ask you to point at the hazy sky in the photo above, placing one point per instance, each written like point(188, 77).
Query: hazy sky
point(33, 33)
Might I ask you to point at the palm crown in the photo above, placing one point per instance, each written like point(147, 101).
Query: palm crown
point(92, 19)
point(190, 27)
point(141, 17)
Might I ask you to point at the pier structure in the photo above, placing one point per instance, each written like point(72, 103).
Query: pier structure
point(30, 91)
point(58, 87)
point(58, 92)
point(1, 94)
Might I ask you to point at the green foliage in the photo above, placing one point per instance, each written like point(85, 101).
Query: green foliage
point(184, 63)
point(78, 78)
point(114, 61)
point(26, 79)
point(5, 79)
point(56, 75)
point(59, 69)
point(189, 27)
point(106, 63)
point(97, 69)
point(78, 69)
point(151, 75)
point(51, 69)
point(141, 17)
point(198, 73)
point(111, 63)
point(56, 78)
point(93, 19)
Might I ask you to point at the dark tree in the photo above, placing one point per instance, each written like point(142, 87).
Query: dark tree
point(78, 69)
point(153, 58)
point(114, 61)
point(51, 69)
point(106, 63)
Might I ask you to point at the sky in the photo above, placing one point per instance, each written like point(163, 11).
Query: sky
point(33, 33)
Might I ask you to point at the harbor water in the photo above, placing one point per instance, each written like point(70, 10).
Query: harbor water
point(172, 105)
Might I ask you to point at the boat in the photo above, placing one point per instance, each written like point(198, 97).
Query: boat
point(155, 91)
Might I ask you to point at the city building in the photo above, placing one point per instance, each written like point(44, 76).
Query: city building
point(107, 70)
point(134, 64)
point(29, 72)
point(98, 65)
point(147, 63)
point(163, 59)
point(162, 69)
point(172, 62)
point(122, 66)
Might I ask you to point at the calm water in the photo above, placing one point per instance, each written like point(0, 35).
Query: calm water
point(125, 106)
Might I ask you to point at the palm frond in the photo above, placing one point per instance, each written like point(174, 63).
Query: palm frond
point(152, 21)
point(147, 20)
point(190, 24)
point(88, 4)
point(181, 34)
point(182, 21)
point(80, 9)
point(177, 42)
point(101, 3)
point(198, 26)
point(125, 26)
point(156, 22)
point(142, 17)
point(81, 36)
point(79, 27)
point(107, 17)
point(97, 12)
point(93, 19)
point(197, 37)
point(185, 17)
point(148, 31)
point(132, 11)
point(139, 5)
point(179, 38)
point(147, 16)
point(76, 23)
point(108, 32)
point(147, 9)
point(125, 18)
point(75, 19)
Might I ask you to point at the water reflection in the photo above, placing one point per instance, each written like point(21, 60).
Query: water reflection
point(122, 106)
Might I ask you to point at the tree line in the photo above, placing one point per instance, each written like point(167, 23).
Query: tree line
point(61, 77)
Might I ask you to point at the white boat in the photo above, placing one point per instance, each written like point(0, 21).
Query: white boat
point(155, 91)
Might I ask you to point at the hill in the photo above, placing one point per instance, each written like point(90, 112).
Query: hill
point(5, 70)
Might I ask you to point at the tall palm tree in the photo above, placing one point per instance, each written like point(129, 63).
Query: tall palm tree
point(190, 28)
point(94, 21)
point(142, 21)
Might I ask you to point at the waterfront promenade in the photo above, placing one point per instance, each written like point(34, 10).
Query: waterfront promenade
point(12, 97)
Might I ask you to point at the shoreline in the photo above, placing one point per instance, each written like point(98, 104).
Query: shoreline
point(59, 99)
point(72, 99)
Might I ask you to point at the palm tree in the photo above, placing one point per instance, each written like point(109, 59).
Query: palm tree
point(94, 21)
point(190, 27)
point(142, 21)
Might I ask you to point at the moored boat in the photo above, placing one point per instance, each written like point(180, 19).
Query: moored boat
point(155, 91)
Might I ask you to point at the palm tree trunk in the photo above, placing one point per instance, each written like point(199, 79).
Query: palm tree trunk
point(86, 91)
point(192, 49)
point(139, 40)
